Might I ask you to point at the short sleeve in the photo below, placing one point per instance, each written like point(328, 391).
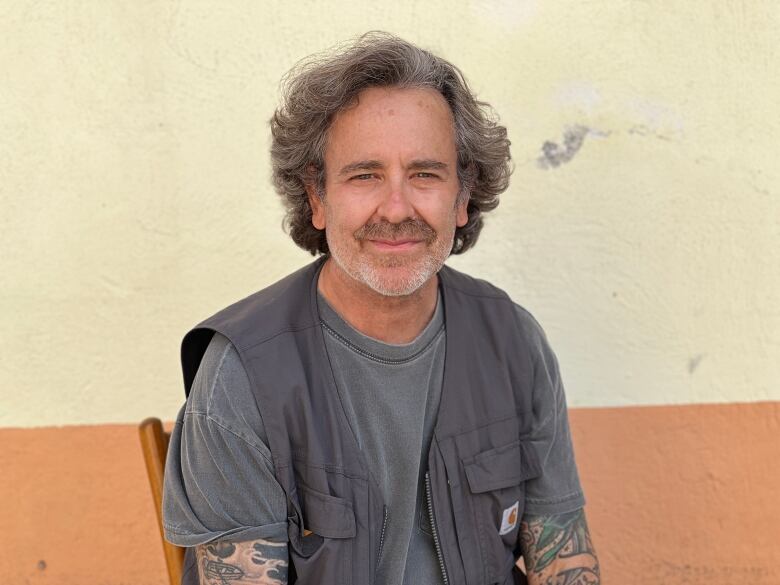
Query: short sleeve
point(219, 476)
point(557, 489)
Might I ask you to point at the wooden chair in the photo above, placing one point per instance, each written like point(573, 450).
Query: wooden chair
point(154, 444)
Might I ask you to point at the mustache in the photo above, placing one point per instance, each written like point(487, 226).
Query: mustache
point(411, 228)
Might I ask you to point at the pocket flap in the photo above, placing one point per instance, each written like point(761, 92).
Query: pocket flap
point(500, 467)
point(327, 515)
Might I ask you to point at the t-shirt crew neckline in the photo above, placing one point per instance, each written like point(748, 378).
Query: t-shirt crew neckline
point(375, 349)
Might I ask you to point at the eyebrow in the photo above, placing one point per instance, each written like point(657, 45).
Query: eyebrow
point(360, 165)
point(427, 163)
point(369, 165)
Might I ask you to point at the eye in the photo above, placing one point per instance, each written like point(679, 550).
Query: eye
point(424, 175)
point(363, 177)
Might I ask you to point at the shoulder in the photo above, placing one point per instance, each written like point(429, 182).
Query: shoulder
point(532, 329)
point(267, 312)
point(496, 300)
point(284, 306)
point(463, 284)
point(220, 360)
point(222, 394)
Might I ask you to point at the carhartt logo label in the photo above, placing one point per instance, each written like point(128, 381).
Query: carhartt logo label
point(509, 519)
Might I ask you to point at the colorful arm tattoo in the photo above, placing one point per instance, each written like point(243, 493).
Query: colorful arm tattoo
point(558, 550)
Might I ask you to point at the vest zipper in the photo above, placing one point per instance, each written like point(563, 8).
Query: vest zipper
point(382, 535)
point(433, 528)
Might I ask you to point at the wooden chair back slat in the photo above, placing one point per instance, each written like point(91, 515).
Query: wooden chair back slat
point(154, 444)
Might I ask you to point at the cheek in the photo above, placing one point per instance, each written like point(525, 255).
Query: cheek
point(346, 220)
point(447, 219)
point(341, 226)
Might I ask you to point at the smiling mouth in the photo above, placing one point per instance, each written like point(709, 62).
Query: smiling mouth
point(399, 245)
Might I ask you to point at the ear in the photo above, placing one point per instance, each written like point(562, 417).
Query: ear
point(461, 211)
point(317, 207)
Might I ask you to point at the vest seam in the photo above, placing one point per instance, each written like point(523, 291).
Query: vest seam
point(277, 334)
point(328, 468)
point(462, 431)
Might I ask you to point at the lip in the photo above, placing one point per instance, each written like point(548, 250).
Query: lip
point(395, 245)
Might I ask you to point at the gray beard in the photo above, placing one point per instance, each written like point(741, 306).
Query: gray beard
point(371, 274)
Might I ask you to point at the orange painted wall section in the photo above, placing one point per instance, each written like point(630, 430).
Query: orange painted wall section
point(683, 494)
point(676, 495)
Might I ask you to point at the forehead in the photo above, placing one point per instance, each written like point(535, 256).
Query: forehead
point(401, 119)
point(374, 99)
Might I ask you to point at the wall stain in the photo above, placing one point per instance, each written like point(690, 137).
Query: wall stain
point(643, 130)
point(694, 362)
point(554, 155)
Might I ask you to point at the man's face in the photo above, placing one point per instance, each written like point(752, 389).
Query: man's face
point(391, 187)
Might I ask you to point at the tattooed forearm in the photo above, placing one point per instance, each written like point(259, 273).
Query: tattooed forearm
point(558, 550)
point(256, 562)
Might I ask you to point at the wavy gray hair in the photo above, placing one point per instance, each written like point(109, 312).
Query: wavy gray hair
point(319, 87)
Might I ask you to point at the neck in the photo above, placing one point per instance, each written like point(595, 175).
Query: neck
point(389, 319)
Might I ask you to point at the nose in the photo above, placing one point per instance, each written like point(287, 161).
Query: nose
point(395, 205)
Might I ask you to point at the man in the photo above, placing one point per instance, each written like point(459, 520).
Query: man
point(377, 417)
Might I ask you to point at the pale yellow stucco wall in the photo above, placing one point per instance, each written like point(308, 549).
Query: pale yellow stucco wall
point(135, 196)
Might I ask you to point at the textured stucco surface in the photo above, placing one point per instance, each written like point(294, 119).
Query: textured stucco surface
point(642, 226)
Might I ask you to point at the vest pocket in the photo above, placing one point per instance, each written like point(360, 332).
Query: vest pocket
point(327, 515)
point(496, 486)
point(321, 532)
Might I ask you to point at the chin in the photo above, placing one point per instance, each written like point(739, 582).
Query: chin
point(395, 281)
point(394, 289)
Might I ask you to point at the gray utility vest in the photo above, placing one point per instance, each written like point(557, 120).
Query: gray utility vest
point(480, 454)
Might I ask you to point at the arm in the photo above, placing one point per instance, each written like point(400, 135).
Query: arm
point(557, 550)
point(256, 562)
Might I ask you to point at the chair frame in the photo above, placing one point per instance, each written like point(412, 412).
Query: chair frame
point(154, 444)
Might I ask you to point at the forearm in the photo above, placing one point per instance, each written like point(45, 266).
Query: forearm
point(558, 550)
point(255, 562)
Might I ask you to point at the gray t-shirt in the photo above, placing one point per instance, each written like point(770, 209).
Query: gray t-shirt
point(391, 395)
point(219, 478)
